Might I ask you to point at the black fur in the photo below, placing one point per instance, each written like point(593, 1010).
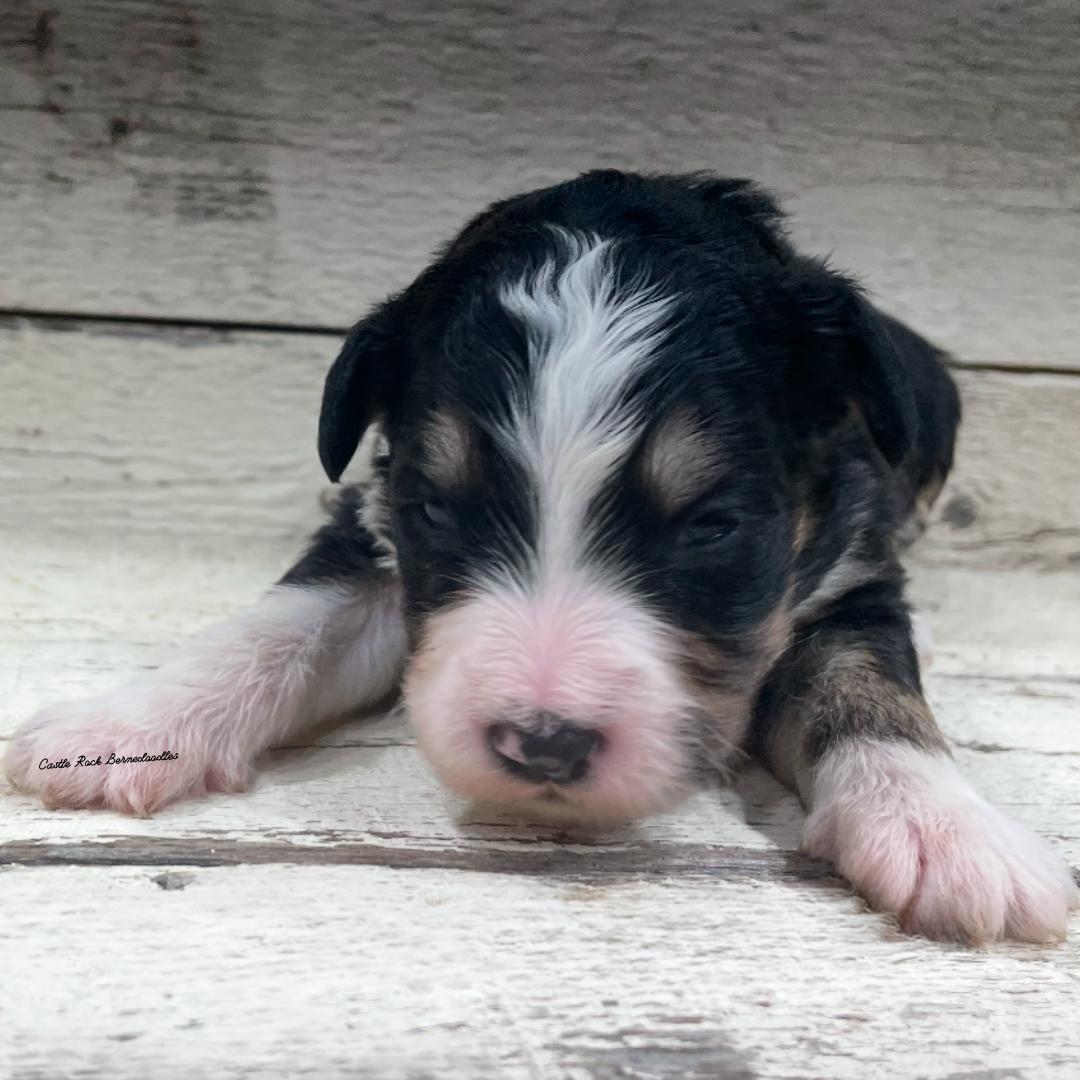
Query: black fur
point(341, 550)
point(838, 419)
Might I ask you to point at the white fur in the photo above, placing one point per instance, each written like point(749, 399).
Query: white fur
point(578, 650)
point(922, 638)
point(563, 636)
point(299, 656)
point(374, 513)
point(909, 832)
point(846, 574)
point(572, 426)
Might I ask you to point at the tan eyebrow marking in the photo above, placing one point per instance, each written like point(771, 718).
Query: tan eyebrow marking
point(450, 449)
point(805, 527)
point(681, 460)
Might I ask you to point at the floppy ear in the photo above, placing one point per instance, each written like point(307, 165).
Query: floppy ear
point(850, 355)
point(364, 383)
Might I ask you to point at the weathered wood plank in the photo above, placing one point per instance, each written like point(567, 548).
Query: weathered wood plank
point(1020, 623)
point(1014, 496)
point(1005, 684)
point(155, 482)
point(367, 972)
point(114, 429)
point(202, 435)
point(585, 863)
point(348, 917)
point(291, 162)
point(335, 804)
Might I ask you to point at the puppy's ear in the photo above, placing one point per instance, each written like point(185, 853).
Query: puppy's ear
point(364, 384)
point(849, 355)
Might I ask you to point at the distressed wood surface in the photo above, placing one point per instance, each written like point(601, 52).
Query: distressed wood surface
point(288, 163)
point(349, 918)
point(136, 431)
point(1004, 682)
point(361, 972)
point(114, 429)
point(291, 162)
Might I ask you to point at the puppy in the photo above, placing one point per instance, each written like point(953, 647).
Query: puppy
point(640, 474)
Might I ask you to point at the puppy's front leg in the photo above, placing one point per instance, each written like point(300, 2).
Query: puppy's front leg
point(845, 723)
point(329, 638)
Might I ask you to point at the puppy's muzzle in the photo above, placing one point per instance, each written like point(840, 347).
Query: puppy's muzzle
point(545, 748)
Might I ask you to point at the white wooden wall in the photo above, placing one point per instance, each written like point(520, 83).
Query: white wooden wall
point(287, 161)
point(195, 197)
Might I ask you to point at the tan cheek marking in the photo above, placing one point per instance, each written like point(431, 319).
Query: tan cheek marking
point(930, 491)
point(453, 458)
point(774, 634)
point(725, 686)
point(430, 639)
point(681, 461)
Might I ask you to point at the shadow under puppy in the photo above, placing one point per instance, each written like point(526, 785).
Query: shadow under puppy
point(641, 475)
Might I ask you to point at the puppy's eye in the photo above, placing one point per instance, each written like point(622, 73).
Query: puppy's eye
point(708, 526)
point(435, 514)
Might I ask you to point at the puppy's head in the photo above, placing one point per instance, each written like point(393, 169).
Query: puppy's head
point(601, 404)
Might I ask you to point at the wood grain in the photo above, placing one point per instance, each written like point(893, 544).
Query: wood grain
point(292, 162)
point(1004, 683)
point(289, 163)
point(353, 971)
point(116, 429)
point(347, 917)
point(1013, 499)
point(112, 430)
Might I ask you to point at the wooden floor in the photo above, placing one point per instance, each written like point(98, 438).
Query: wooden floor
point(347, 917)
point(182, 236)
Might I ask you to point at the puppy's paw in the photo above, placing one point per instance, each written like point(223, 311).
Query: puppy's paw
point(68, 754)
point(916, 840)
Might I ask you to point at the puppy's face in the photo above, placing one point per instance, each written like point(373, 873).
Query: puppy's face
point(593, 498)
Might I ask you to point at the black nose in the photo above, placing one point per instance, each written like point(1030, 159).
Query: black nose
point(543, 748)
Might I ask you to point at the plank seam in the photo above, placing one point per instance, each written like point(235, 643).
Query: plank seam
point(69, 320)
point(532, 859)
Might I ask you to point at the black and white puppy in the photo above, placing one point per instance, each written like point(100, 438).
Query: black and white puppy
point(640, 478)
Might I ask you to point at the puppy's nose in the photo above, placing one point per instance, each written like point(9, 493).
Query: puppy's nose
point(544, 748)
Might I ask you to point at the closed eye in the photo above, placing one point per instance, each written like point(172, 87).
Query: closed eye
point(708, 525)
point(436, 514)
point(433, 515)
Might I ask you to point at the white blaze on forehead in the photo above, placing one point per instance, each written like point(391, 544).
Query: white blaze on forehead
point(572, 426)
